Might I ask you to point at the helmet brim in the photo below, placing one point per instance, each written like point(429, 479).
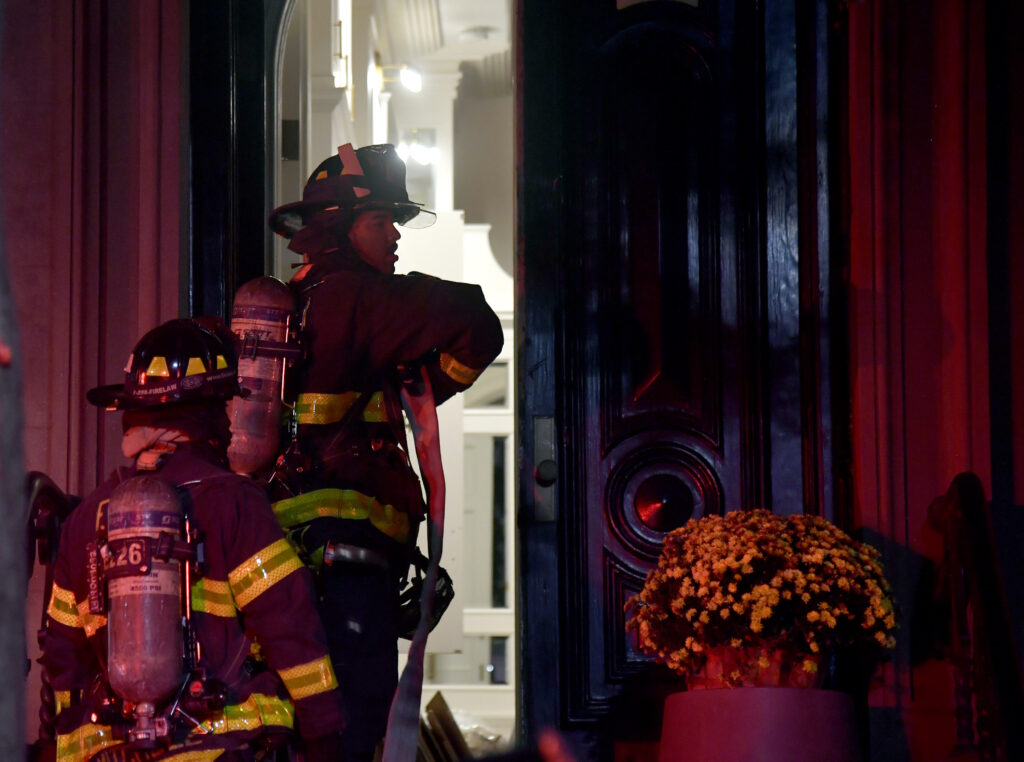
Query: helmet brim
point(221, 385)
point(111, 397)
point(289, 219)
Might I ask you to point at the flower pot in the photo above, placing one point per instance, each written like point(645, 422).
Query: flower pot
point(759, 725)
point(756, 666)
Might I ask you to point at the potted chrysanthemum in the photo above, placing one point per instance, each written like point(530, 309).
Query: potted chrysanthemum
point(753, 599)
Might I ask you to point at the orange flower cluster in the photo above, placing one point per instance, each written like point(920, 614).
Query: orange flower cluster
point(752, 579)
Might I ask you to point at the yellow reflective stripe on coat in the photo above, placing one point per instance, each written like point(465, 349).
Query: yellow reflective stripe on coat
point(257, 711)
point(374, 412)
point(213, 596)
point(261, 571)
point(456, 371)
point(63, 607)
point(83, 742)
point(309, 679)
point(91, 623)
point(61, 701)
point(207, 755)
point(342, 504)
point(319, 409)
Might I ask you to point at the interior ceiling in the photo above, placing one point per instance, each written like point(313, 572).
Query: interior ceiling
point(438, 31)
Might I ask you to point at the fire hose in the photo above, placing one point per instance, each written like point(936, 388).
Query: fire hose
point(402, 736)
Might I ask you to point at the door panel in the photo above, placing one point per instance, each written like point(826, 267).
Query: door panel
point(659, 314)
point(645, 334)
point(664, 282)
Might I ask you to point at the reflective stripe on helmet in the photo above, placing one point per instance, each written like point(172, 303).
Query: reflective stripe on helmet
point(261, 571)
point(195, 367)
point(158, 367)
point(319, 409)
point(342, 504)
point(309, 679)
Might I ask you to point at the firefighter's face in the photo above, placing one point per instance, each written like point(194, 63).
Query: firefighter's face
point(375, 239)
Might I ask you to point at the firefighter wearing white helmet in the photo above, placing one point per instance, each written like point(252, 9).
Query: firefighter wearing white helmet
point(180, 621)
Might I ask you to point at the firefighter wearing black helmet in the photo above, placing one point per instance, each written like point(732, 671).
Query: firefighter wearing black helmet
point(362, 326)
point(255, 666)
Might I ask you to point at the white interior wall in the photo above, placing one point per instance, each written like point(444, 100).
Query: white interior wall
point(483, 169)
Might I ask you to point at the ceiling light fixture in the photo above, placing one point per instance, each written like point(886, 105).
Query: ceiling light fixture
point(411, 79)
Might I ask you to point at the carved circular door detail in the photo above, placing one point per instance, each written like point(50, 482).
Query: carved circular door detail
point(655, 488)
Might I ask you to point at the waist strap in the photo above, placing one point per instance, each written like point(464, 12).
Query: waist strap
point(257, 712)
point(319, 409)
point(342, 504)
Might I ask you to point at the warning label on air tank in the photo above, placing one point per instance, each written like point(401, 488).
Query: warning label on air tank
point(160, 581)
point(153, 521)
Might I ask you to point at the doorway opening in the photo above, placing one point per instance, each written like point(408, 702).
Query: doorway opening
point(435, 79)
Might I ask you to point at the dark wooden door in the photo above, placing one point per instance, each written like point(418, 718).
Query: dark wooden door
point(672, 316)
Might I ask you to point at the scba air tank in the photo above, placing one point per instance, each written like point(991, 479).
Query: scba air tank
point(260, 317)
point(144, 619)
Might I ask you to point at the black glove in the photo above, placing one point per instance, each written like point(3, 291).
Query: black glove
point(324, 749)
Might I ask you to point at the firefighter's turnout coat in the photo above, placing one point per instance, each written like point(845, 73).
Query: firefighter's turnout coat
point(356, 487)
point(360, 328)
point(254, 613)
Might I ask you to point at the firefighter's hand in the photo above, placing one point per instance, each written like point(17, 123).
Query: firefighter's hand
point(324, 749)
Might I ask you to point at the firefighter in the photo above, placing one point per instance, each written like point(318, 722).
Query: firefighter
point(366, 330)
point(254, 663)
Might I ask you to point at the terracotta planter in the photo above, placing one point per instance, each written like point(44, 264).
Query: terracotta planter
point(759, 725)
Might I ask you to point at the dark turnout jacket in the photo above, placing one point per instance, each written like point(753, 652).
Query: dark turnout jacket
point(253, 608)
point(361, 324)
point(360, 327)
